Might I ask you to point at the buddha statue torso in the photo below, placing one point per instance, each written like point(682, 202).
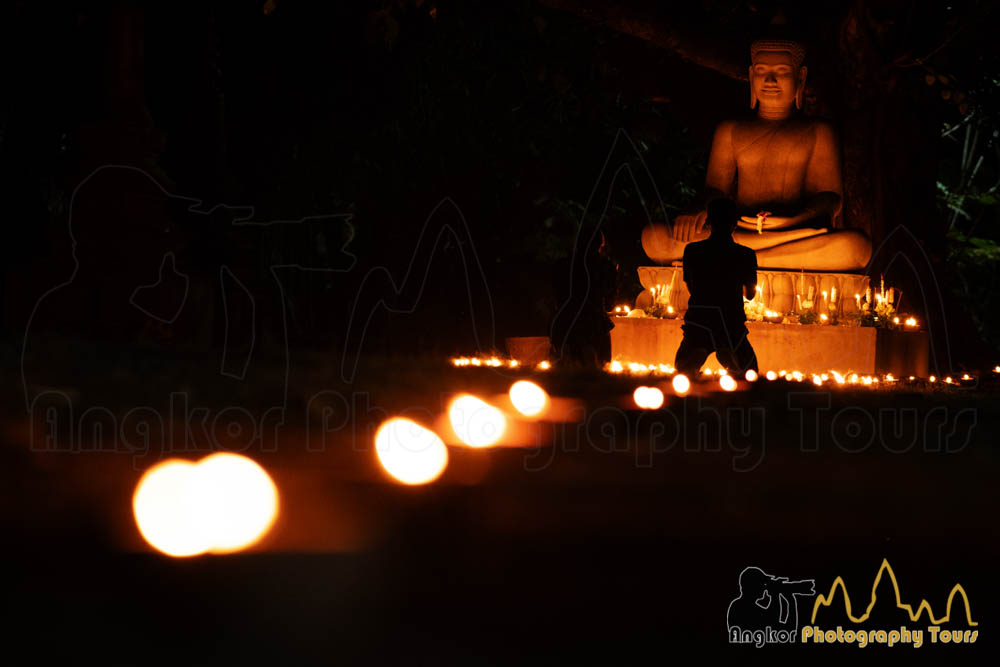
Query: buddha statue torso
point(779, 163)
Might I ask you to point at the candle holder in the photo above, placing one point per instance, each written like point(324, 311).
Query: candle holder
point(773, 317)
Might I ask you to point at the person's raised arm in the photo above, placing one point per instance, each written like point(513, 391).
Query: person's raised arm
point(750, 276)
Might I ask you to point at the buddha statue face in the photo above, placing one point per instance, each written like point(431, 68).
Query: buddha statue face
point(777, 81)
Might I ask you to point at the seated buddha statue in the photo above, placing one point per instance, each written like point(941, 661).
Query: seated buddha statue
point(783, 171)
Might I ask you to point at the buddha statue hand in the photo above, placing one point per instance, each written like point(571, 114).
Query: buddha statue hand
point(691, 227)
point(772, 222)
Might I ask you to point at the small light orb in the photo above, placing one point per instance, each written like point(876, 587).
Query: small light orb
point(528, 398)
point(476, 422)
point(544, 366)
point(932, 379)
point(771, 375)
point(681, 384)
point(817, 380)
point(707, 371)
point(409, 452)
point(648, 398)
point(616, 367)
point(238, 501)
point(727, 383)
point(751, 375)
point(166, 510)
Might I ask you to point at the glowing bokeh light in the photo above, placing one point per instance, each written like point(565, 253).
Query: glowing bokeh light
point(476, 422)
point(751, 375)
point(223, 503)
point(409, 452)
point(528, 398)
point(727, 383)
point(681, 384)
point(771, 375)
point(648, 398)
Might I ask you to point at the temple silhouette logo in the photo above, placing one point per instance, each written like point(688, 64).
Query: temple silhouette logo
point(766, 612)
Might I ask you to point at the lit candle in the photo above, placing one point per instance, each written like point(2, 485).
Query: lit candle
point(857, 298)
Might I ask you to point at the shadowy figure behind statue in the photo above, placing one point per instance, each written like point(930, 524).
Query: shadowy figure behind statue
point(719, 273)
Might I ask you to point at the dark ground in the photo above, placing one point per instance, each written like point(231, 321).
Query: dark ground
point(598, 545)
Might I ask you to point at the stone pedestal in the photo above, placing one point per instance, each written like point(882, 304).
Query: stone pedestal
point(902, 353)
point(777, 288)
point(806, 348)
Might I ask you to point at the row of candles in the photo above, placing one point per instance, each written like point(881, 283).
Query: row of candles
point(636, 368)
point(496, 362)
point(819, 379)
point(882, 302)
point(618, 367)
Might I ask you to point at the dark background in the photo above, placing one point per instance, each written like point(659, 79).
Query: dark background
point(441, 165)
point(517, 124)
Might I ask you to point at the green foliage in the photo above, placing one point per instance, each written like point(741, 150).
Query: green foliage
point(968, 198)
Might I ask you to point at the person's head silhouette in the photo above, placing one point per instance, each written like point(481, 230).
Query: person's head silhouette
point(753, 581)
point(722, 217)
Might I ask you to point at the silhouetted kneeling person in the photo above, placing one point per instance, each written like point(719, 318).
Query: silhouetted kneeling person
point(718, 272)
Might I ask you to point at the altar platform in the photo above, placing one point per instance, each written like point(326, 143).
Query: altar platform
point(809, 348)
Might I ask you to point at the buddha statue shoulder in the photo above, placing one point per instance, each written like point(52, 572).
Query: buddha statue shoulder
point(783, 171)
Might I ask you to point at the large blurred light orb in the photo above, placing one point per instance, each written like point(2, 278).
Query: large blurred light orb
point(727, 383)
point(239, 501)
point(528, 398)
point(409, 452)
point(223, 503)
point(476, 422)
point(166, 509)
point(681, 384)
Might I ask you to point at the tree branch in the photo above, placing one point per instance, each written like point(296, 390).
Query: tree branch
point(722, 56)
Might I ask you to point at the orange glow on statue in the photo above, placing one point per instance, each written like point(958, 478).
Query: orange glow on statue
point(779, 162)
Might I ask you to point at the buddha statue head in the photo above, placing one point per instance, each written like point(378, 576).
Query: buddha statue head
point(777, 76)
